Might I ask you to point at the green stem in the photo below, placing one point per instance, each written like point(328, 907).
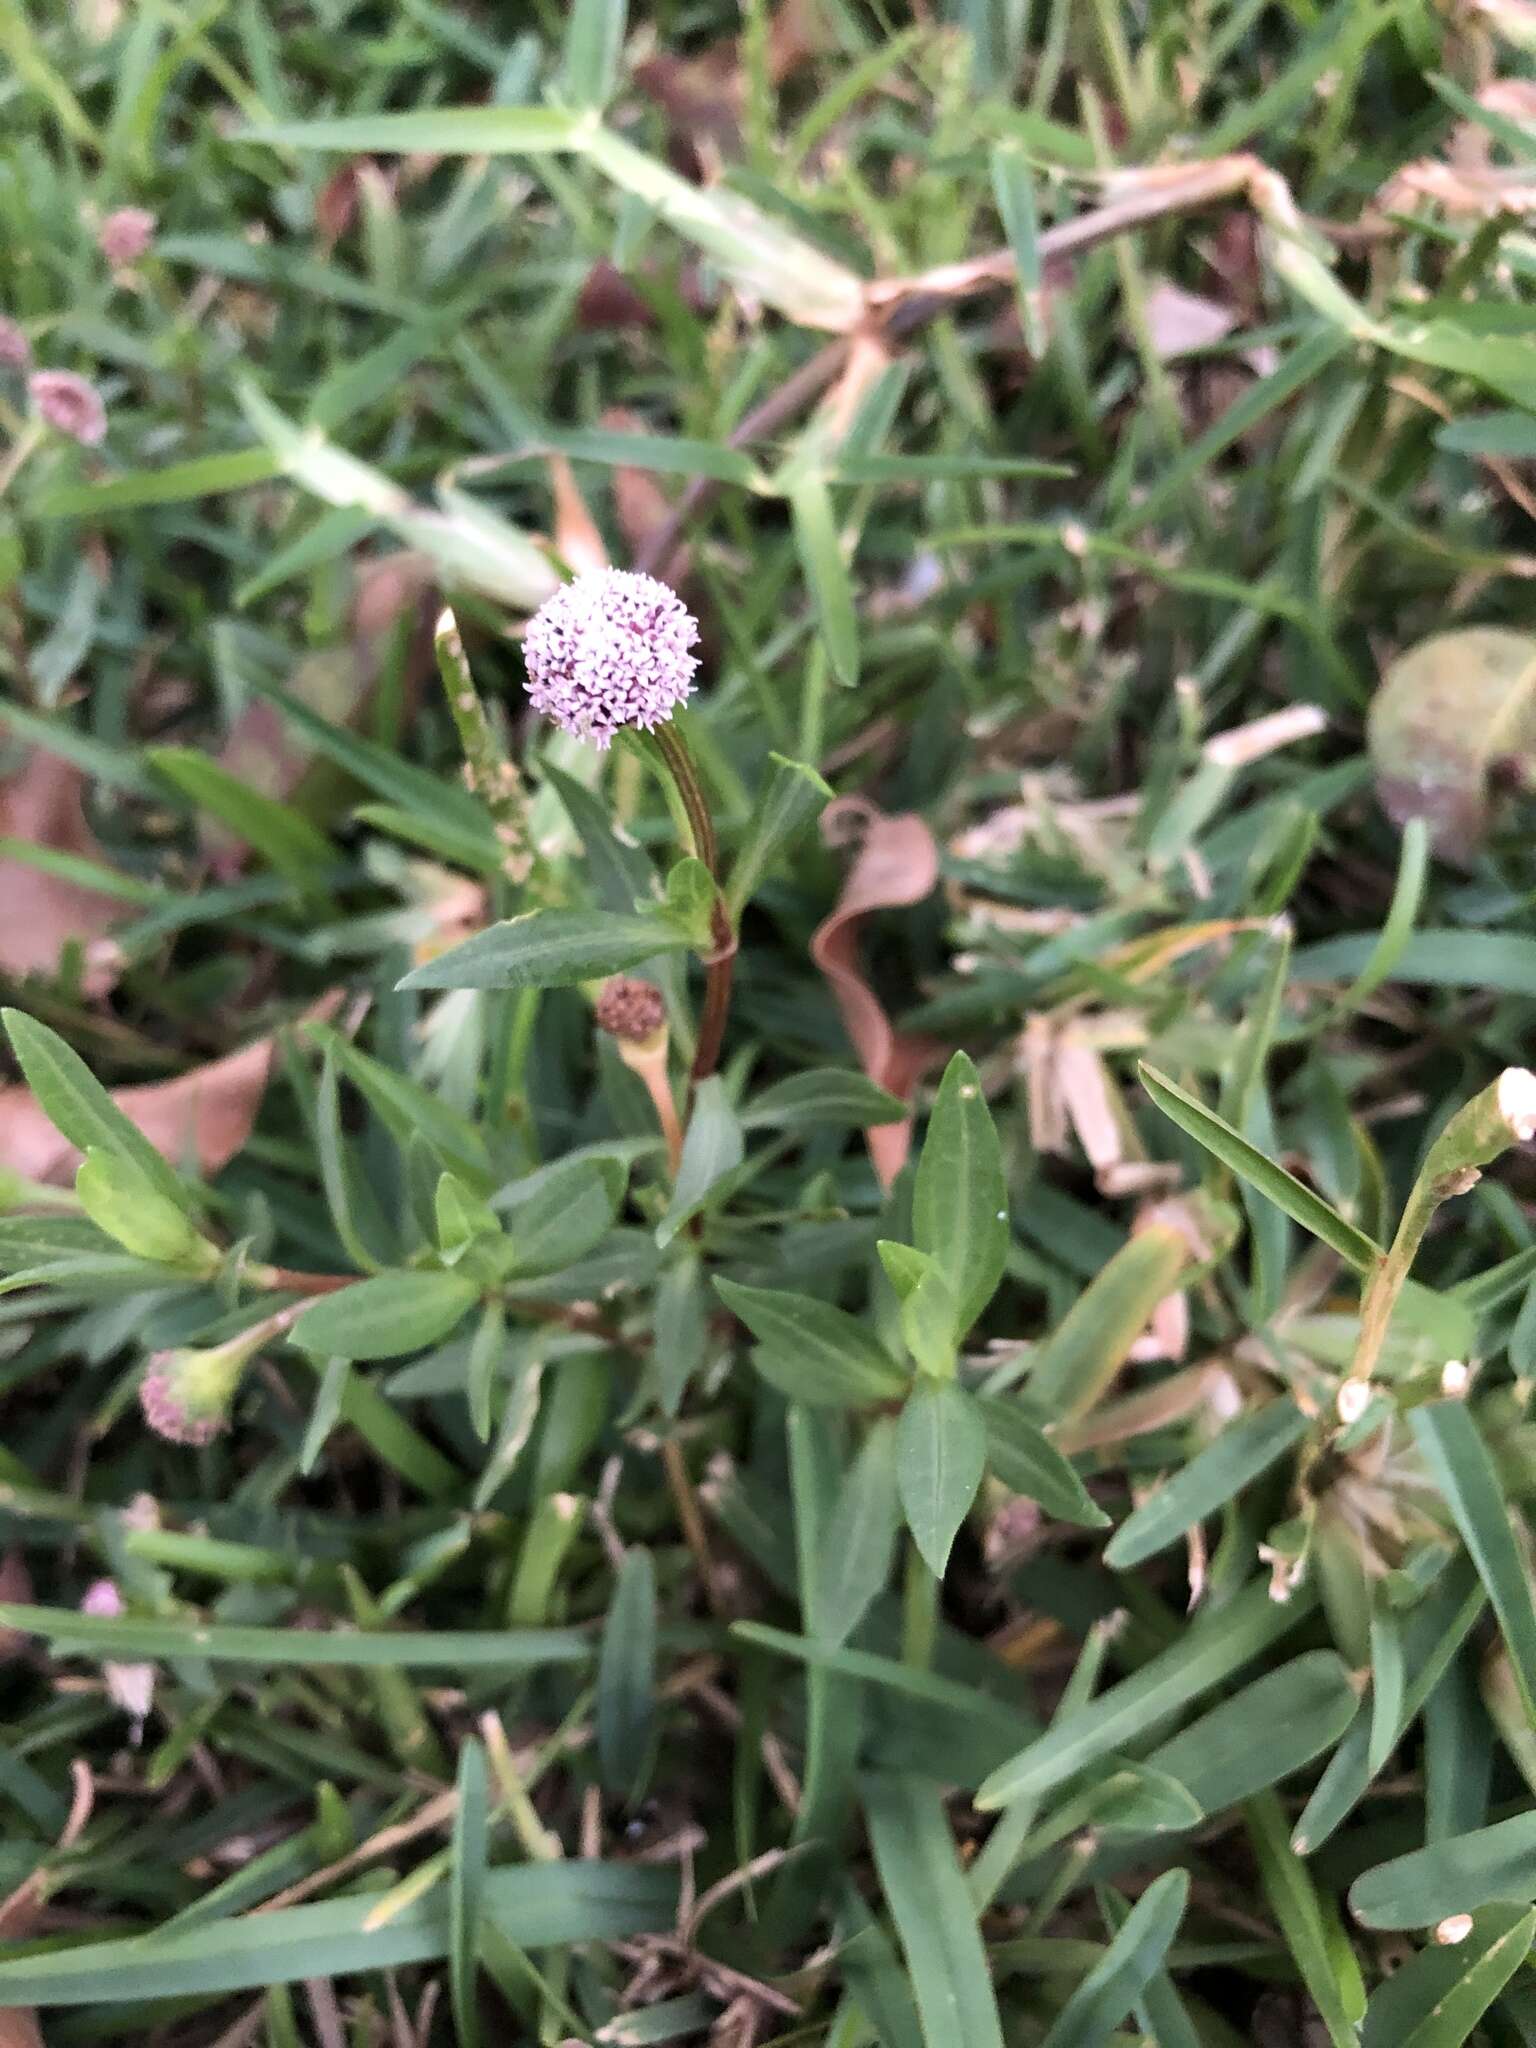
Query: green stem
point(1501, 1116)
point(489, 771)
point(720, 965)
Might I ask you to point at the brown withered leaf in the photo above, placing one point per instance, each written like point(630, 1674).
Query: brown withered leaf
point(42, 804)
point(1455, 716)
point(205, 1114)
point(896, 866)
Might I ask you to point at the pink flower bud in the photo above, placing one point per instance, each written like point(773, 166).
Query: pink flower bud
point(125, 235)
point(102, 1597)
point(70, 404)
point(15, 349)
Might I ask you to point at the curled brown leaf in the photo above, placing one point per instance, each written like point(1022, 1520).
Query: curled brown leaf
point(896, 866)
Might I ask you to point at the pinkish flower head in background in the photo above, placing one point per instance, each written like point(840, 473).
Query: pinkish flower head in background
point(102, 1597)
point(70, 404)
point(15, 349)
point(611, 649)
point(185, 1395)
point(125, 235)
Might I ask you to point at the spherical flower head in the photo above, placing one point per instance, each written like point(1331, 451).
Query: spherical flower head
point(15, 349)
point(125, 235)
point(70, 404)
point(102, 1597)
point(186, 1395)
point(630, 1010)
point(610, 650)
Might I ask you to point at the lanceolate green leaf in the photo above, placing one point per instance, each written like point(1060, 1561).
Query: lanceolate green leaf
point(535, 1906)
point(466, 1895)
point(935, 1918)
point(549, 949)
point(1026, 1461)
point(386, 1316)
point(812, 1351)
point(959, 1198)
point(941, 1453)
point(73, 1099)
point(861, 1535)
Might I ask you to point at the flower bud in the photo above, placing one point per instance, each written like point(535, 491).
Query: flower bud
point(631, 1011)
point(124, 236)
point(70, 405)
point(186, 1395)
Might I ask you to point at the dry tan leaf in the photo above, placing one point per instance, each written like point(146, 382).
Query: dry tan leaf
point(577, 539)
point(896, 866)
point(1180, 322)
point(42, 805)
point(204, 1115)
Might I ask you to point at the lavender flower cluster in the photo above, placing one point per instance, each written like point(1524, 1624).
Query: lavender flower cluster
point(610, 650)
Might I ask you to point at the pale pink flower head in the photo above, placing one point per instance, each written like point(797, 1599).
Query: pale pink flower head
point(69, 404)
point(610, 650)
point(15, 349)
point(186, 1395)
point(102, 1597)
point(125, 235)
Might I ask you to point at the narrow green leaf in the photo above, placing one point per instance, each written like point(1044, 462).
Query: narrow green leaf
point(386, 1316)
point(713, 1147)
point(1079, 1360)
point(589, 65)
point(1013, 187)
point(821, 558)
point(1210, 1479)
point(1437, 1999)
point(791, 798)
point(1288, 1193)
point(812, 1351)
point(282, 836)
point(941, 1453)
point(536, 1906)
point(549, 949)
point(825, 1096)
point(467, 1889)
point(934, 1915)
point(177, 483)
point(222, 1643)
point(1296, 1905)
point(959, 1196)
point(1454, 1876)
point(472, 131)
point(1112, 1987)
point(626, 1677)
point(1212, 1650)
point(1263, 1733)
point(1463, 1469)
